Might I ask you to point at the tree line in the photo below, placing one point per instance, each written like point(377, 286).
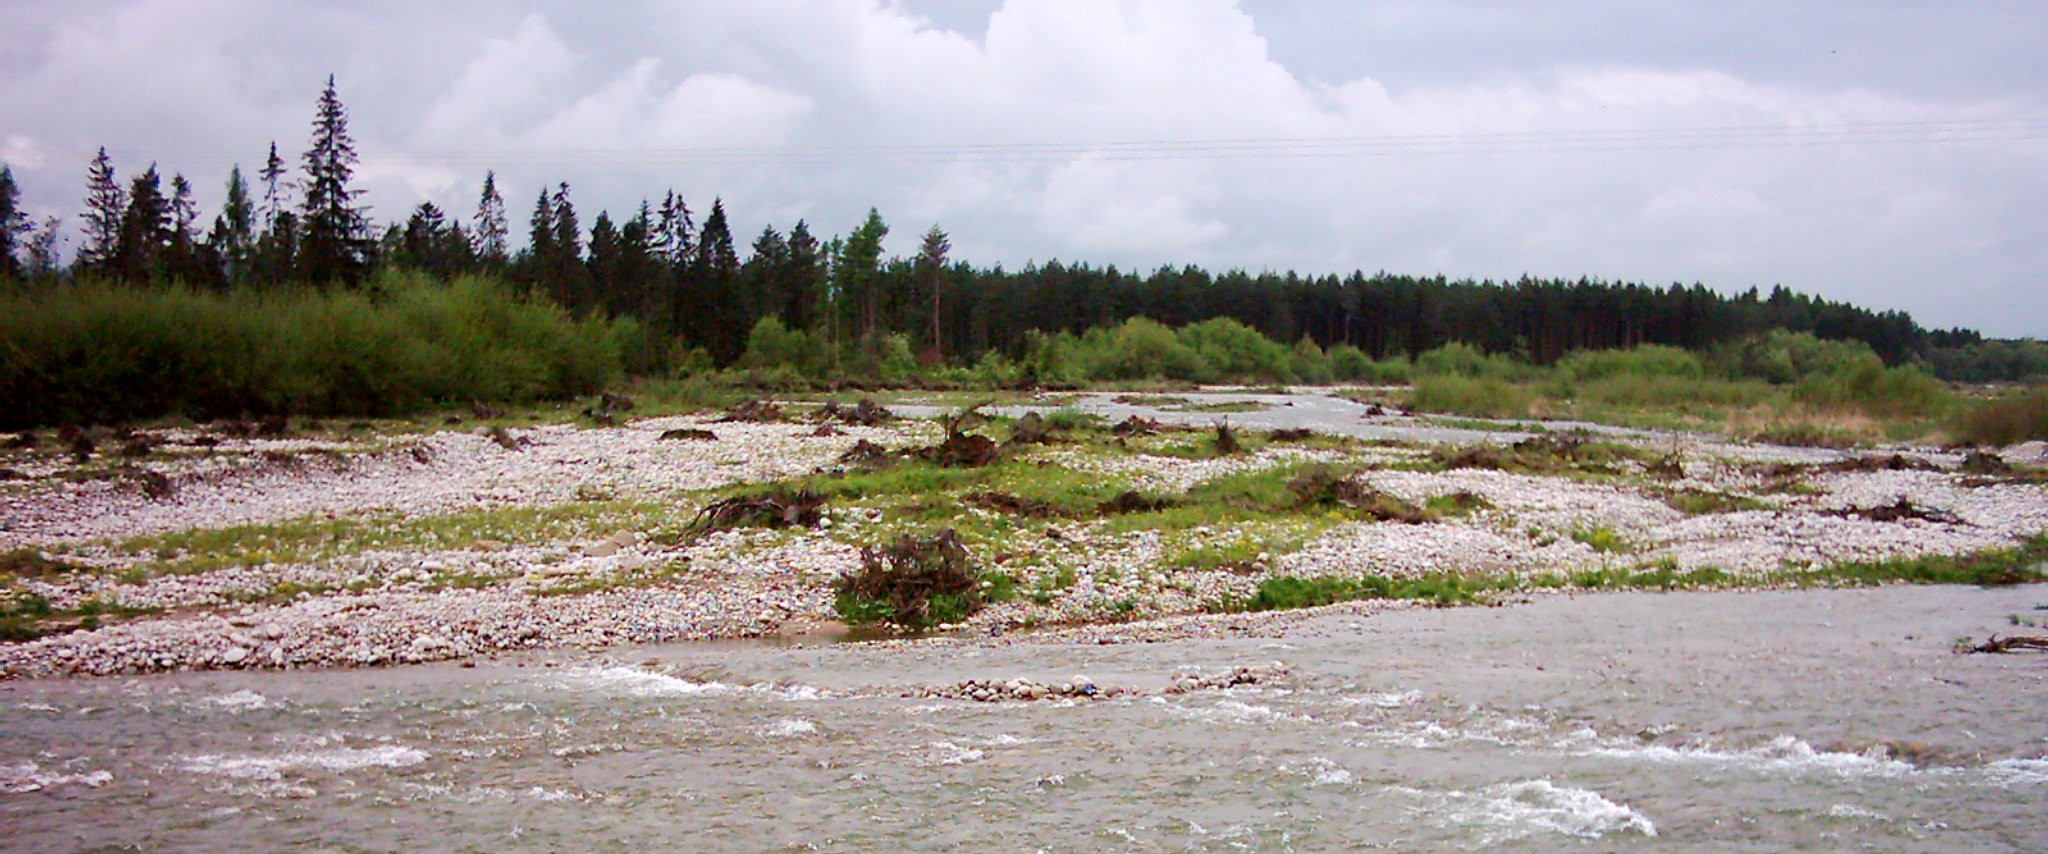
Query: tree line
point(686, 283)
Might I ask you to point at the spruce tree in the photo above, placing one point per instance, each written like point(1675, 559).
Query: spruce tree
point(145, 235)
point(720, 324)
point(567, 279)
point(42, 262)
point(276, 248)
point(802, 276)
point(233, 233)
point(104, 205)
point(643, 276)
point(14, 226)
point(431, 243)
point(859, 274)
point(931, 273)
point(673, 238)
point(488, 228)
point(187, 259)
point(335, 233)
point(272, 177)
point(762, 274)
point(540, 234)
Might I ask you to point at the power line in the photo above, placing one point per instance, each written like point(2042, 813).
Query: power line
point(1929, 132)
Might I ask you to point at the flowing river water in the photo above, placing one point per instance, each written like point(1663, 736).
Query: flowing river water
point(1701, 721)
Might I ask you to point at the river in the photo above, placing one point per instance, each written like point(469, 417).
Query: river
point(1684, 721)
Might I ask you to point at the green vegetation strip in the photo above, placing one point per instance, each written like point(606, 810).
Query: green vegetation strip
point(312, 538)
point(2019, 564)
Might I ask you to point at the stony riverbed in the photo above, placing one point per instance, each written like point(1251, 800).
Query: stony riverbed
point(365, 547)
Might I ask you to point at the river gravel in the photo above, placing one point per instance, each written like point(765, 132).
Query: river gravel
point(1086, 579)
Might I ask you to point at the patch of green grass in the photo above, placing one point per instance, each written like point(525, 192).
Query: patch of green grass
point(310, 538)
point(1658, 575)
point(2020, 564)
point(998, 587)
point(21, 615)
point(1050, 585)
point(1157, 401)
point(1551, 454)
point(1998, 567)
point(26, 615)
point(1482, 397)
point(26, 562)
point(649, 576)
point(1240, 552)
point(1290, 592)
point(2005, 420)
point(1224, 406)
point(1451, 505)
point(1485, 425)
point(1702, 502)
point(1602, 538)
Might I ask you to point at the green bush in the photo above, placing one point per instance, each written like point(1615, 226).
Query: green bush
point(1351, 364)
point(1229, 350)
point(1311, 364)
point(1865, 383)
point(100, 353)
point(1650, 360)
point(1783, 357)
point(1141, 349)
point(773, 345)
point(1461, 395)
point(1464, 360)
point(2013, 418)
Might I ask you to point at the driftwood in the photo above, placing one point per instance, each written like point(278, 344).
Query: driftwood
point(961, 449)
point(273, 426)
point(1031, 429)
point(1671, 466)
point(1015, 505)
point(906, 575)
point(1136, 426)
point(689, 434)
point(799, 508)
point(1900, 511)
point(154, 484)
point(827, 430)
point(2008, 644)
point(1985, 464)
point(1226, 441)
point(1132, 501)
point(866, 413)
point(77, 441)
point(1327, 486)
point(758, 411)
point(1895, 462)
point(865, 453)
point(506, 439)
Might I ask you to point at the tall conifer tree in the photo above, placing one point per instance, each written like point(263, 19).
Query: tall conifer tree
point(488, 228)
point(14, 226)
point(335, 232)
point(104, 205)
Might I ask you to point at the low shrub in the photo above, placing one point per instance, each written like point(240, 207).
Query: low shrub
point(1457, 394)
point(2013, 418)
point(103, 353)
point(912, 582)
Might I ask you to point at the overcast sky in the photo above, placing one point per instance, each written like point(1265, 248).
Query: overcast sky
point(1888, 153)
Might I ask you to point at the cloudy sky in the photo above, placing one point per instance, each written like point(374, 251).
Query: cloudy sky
point(1889, 153)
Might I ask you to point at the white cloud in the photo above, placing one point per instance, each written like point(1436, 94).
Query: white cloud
point(1538, 167)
